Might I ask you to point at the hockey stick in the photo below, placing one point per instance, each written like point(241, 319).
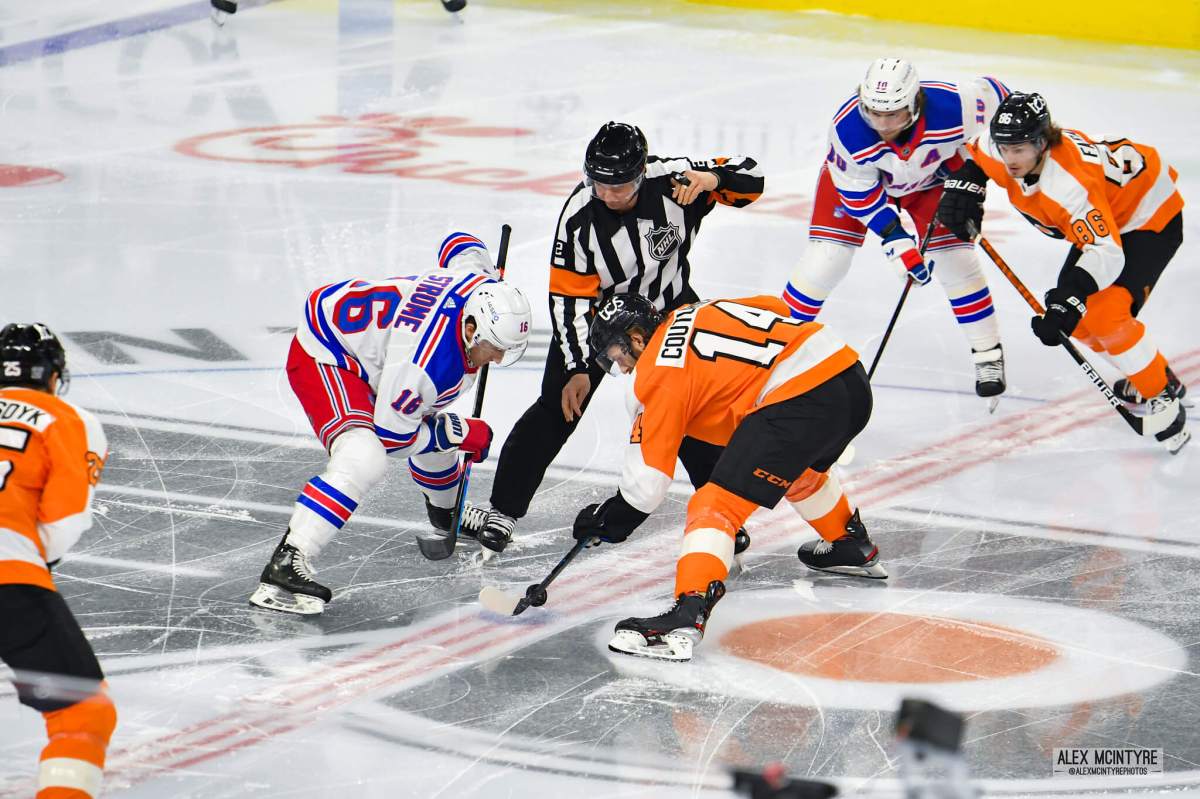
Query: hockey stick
point(440, 547)
point(908, 284)
point(1133, 421)
point(506, 604)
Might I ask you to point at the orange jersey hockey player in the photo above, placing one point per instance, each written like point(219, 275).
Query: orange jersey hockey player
point(1115, 201)
point(51, 456)
point(782, 396)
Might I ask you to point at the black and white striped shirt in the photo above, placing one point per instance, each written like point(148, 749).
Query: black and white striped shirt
point(598, 252)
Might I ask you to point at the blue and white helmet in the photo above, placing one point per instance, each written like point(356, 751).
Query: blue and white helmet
point(502, 318)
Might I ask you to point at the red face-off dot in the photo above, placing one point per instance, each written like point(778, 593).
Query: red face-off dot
point(15, 175)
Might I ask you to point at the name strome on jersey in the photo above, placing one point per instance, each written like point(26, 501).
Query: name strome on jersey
point(401, 336)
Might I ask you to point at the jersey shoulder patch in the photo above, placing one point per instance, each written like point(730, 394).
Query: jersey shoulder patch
point(943, 111)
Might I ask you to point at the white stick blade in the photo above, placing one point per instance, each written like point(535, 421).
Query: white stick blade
point(498, 601)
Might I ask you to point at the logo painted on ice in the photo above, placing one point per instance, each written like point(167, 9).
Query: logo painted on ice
point(663, 241)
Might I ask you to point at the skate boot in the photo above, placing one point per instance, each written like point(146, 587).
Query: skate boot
point(989, 374)
point(221, 9)
point(497, 532)
point(1165, 418)
point(473, 518)
point(454, 6)
point(741, 542)
point(854, 553)
point(672, 635)
point(1127, 392)
point(287, 584)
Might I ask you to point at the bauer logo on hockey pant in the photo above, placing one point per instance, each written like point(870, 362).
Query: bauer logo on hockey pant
point(663, 241)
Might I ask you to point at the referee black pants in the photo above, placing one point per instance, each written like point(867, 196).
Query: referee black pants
point(541, 431)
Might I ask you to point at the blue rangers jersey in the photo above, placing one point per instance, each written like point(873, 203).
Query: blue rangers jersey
point(403, 337)
point(866, 170)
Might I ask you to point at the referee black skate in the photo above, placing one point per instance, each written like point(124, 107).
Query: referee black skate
point(628, 227)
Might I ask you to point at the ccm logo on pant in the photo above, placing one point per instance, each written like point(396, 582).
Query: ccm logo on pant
point(773, 479)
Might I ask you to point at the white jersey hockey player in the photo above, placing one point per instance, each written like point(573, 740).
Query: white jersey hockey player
point(374, 364)
point(890, 147)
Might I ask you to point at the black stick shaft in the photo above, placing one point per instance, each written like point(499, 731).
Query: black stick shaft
point(908, 283)
point(1133, 421)
point(459, 500)
point(562, 564)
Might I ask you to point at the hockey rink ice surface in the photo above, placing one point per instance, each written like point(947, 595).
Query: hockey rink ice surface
point(170, 197)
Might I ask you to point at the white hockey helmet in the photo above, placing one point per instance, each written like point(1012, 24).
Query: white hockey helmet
point(502, 318)
point(891, 84)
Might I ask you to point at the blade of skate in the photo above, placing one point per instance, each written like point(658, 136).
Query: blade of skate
point(673, 648)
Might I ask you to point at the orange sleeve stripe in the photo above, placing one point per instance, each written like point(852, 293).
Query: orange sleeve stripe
point(23, 572)
point(731, 197)
point(572, 284)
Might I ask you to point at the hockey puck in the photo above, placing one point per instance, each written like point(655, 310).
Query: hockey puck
point(536, 595)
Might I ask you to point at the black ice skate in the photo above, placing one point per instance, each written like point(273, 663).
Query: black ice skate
point(454, 6)
point(672, 635)
point(497, 533)
point(287, 584)
point(989, 375)
point(854, 554)
point(1127, 392)
point(473, 518)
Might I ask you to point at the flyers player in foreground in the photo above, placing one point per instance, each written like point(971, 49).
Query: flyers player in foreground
point(782, 396)
point(1115, 201)
point(51, 456)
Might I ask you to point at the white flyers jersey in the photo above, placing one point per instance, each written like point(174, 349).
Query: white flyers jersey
point(403, 337)
point(867, 171)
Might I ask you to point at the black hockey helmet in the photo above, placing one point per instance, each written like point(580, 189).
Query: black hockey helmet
point(616, 316)
point(616, 154)
point(30, 354)
point(1021, 118)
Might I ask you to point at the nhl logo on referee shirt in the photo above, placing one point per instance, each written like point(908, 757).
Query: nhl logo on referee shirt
point(663, 241)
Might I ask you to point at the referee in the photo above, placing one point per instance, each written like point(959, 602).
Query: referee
point(627, 227)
